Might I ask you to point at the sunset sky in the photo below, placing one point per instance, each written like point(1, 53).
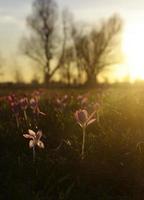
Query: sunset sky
point(13, 27)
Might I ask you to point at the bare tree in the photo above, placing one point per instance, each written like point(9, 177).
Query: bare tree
point(68, 66)
point(77, 31)
point(97, 50)
point(41, 46)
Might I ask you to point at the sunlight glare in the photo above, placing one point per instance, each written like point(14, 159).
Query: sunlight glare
point(133, 48)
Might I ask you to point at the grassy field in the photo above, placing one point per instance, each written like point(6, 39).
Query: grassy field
point(113, 165)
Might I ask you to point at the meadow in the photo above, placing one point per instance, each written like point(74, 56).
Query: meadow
point(112, 167)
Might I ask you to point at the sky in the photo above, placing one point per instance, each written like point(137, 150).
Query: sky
point(13, 26)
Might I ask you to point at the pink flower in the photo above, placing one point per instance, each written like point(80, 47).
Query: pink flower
point(65, 97)
point(35, 107)
point(58, 101)
point(34, 139)
point(33, 103)
point(62, 102)
point(36, 94)
point(80, 97)
point(83, 119)
point(15, 107)
point(23, 103)
point(84, 101)
point(11, 98)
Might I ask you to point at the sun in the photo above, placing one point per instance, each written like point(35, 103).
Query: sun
point(133, 48)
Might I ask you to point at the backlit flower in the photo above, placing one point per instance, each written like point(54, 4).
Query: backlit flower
point(34, 138)
point(35, 107)
point(23, 103)
point(83, 118)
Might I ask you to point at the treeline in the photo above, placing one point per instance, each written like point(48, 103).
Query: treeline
point(77, 53)
point(63, 49)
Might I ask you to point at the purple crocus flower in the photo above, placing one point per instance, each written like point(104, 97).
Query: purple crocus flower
point(83, 119)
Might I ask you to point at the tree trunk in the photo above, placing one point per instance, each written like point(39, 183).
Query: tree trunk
point(47, 73)
point(91, 80)
point(46, 78)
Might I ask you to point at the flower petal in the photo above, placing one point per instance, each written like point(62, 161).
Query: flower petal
point(81, 125)
point(76, 115)
point(42, 113)
point(31, 132)
point(39, 135)
point(81, 116)
point(31, 144)
point(40, 144)
point(91, 121)
point(91, 115)
point(85, 113)
point(28, 136)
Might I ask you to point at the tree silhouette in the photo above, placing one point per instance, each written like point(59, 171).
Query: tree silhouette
point(97, 50)
point(68, 66)
point(42, 46)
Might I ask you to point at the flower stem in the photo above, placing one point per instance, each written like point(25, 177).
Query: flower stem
point(17, 121)
point(34, 153)
point(26, 119)
point(83, 143)
point(25, 115)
